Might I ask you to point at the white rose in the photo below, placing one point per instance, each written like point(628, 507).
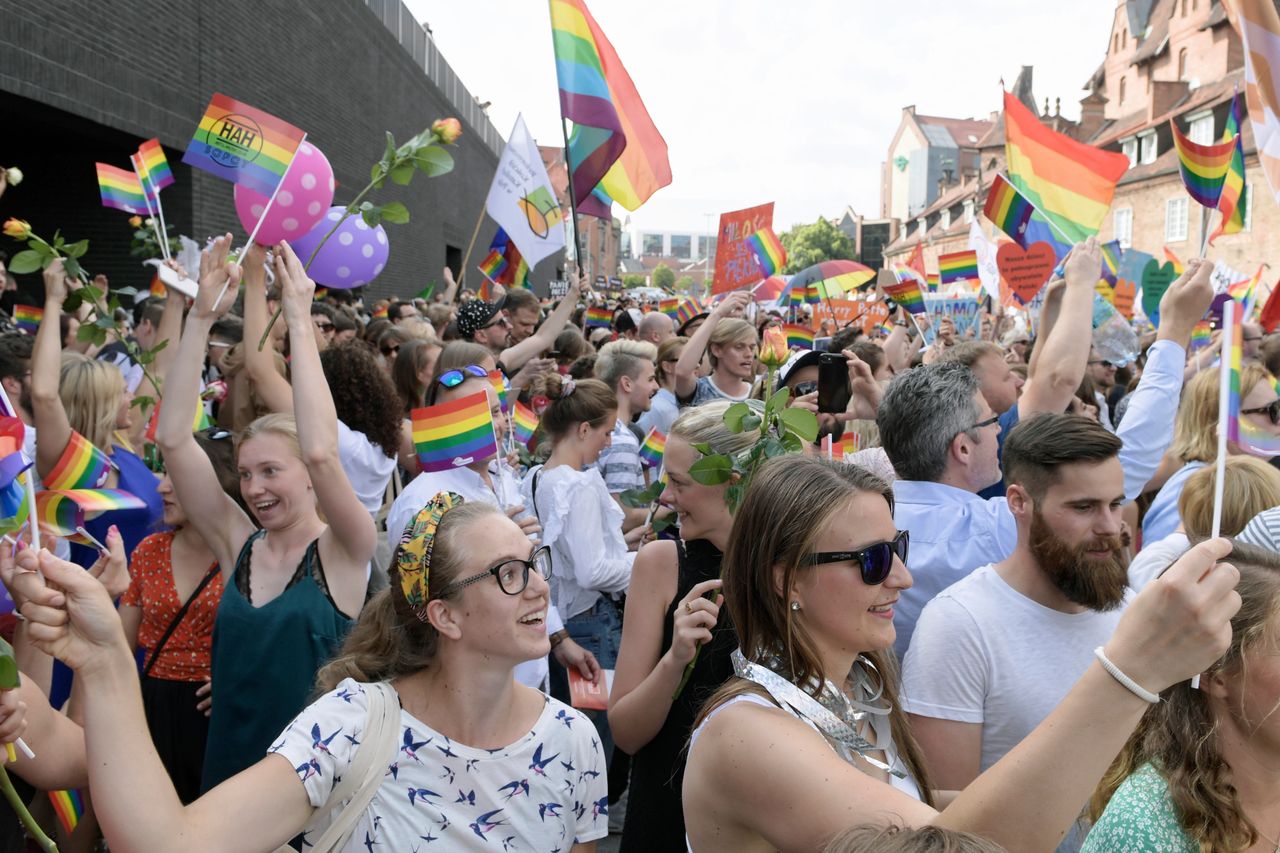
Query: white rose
point(14, 175)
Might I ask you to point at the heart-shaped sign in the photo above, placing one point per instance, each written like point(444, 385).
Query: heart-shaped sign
point(1027, 270)
point(1123, 295)
point(1156, 278)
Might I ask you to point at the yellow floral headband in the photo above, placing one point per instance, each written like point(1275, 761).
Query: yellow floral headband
point(413, 556)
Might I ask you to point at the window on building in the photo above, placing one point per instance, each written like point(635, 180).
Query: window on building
point(968, 211)
point(707, 247)
point(1175, 219)
point(1115, 43)
point(946, 218)
point(1147, 148)
point(1130, 149)
point(1122, 221)
point(1200, 128)
point(651, 244)
point(1182, 63)
point(681, 246)
point(1122, 90)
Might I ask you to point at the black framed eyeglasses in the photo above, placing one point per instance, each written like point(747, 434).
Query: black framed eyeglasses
point(1271, 410)
point(512, 575)
point(499, 320)
point(994, 419)
point(454, 378)
point(875, 561)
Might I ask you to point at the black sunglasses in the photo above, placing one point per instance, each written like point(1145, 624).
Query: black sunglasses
point(1271, 410)
point(875, 560)
point(391, 350)
point(1103, 362)
point(512, 575)
point(803, 388)
point(454, 378)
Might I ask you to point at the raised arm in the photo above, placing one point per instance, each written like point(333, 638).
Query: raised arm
point(170, 329)
point(46, 371)
point(691, 355)
point(513, 358)
point(260, 364)
point(450, 287)
point(216, 516)
point(348, 542)
point(1060, 362)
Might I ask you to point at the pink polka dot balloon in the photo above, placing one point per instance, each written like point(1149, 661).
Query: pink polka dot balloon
point(352, 257)
point(304, 197)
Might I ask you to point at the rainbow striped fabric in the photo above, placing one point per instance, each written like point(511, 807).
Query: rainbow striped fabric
point(380, 313)
point(1204, 168)
point(493, 265)
point(454, 434)
point(958, 266)
point(655, 444)
point(1201, 335)
point(907, 294)
point(1242, 291)
point(689, 308)
point(61, 511)
point(121, 190)
point(1178, 266)
point(81, 466)
point(846, 446)
point(1240, 429)
point(1233, 187)
point(243, 144)
point(155, 166)
point(931, 281)
point(1068, 182)
point(798, 337)
point(616, 151)
point(813, 293)
point(69, 807)
point(670, 307)
point(524, 423)
point(27, 318)
point(599, 317)
point(1111, 253)
point(504, 264)
point(1009, 210)
point(12, 460)
point(499, 383)
point(768, 251)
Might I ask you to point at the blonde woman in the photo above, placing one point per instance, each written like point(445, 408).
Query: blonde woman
point(663, 406)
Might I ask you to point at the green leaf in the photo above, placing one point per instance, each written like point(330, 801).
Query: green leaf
point(751, 422)
point(8, 671)
point(712, 470)
point(372, 217)
point(77, 249)
point(636, 498)
point(144, 402)
point(72, 266)
point(433, 161)
point(733, 416)
point(58, 242)
point(661, 524)
point(395, 212)
point(28, 260)
point(801, 422)
point(391, 148)
point(378, 174)
point(703, 448)
point(402, 174)
point(105, 323)
point(72, 303)
point(113, 304)
point(91, 333)
point(778, 401)
point(792, 443)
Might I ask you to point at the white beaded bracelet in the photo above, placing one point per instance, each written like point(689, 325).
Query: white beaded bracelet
point(1129, 684)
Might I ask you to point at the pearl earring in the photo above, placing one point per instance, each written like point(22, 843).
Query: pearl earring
point(795, 605)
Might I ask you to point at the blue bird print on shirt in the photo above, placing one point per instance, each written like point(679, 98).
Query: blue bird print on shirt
point(539, 764)
point(429, 837)
point(600, 807)
point(322, 743)
point(411, 746)
point(469, 798)
point(421, 794)
point(306, 771)
point(486, 823)
point(565, 717)
point(552, 809)
point(369, 843)
point(393, 770)
point(346, 695)
point(471, 763)
point(513, 788)
point(509, 843)
point(567, 765)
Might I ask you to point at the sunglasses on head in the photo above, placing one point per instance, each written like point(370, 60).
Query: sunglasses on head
point(876, 561)
point(1271, 410)
point(1104, 362)
point(454, 378)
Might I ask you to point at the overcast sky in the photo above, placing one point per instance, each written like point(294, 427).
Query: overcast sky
point(793, 102)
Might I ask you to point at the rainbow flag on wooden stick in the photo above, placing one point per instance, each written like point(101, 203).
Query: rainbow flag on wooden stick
point(243, 144)
point(81, 466)
point(454, 434)
point(768, 251)
point(524, 422)
point(907, 294)
point(62, 511)
point(655, 444)
point(1233, 187)
point(1009, 210)
point(155, 164)
point(599, 317)
point(1203, 167)
point(121, 190)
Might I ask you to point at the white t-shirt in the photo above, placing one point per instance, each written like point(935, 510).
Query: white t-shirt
point(546, 791)
point(367, 467)
point(984, 653)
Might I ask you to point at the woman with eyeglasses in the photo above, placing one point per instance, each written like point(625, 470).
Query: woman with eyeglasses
point(1195, 437)
point(293, 587)
point(808, 740)
point(461, 753)
point(663, 406)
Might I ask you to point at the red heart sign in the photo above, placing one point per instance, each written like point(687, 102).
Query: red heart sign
point(1027, 270)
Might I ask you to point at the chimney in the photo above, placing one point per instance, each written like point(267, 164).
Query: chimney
point(1092, 115)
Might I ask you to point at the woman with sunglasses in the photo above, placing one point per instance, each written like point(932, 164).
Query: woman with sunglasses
point(465, 755)
point(293, 587)
point(808, 739)
point(1195, 437)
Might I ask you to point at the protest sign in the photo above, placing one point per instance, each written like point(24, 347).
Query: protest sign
point(1025, 271)
point(965, 312)
point(522, 200)
point(735, 264)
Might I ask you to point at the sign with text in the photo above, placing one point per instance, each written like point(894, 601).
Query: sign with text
point(965, 312)
point(557, 289)
point(868, 315)
point(736, 267)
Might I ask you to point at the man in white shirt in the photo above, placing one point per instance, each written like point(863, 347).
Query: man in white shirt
point(629, 369)
point(994, 653)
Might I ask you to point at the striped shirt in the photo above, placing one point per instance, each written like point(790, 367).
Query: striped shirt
point(619, 463)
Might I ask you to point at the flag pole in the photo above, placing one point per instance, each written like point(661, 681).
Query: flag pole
point(466, 259)
point(1224, 414)
point(1043, 215)
point(568, 168)
point(1205, 220)
point(151, 213)
point(258, 225)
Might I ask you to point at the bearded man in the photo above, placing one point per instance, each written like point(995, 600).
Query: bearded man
point(994, 653)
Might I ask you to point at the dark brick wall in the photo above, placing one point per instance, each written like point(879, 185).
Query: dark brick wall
point(83, 81)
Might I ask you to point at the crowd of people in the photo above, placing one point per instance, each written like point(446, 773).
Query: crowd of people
point(1000, 622)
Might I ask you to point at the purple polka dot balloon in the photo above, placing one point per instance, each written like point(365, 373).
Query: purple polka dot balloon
point(352, 257)
point(305, 194)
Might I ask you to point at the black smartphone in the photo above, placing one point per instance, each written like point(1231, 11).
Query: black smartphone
point(833, 383)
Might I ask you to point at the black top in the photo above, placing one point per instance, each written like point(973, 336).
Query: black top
point(655, 817)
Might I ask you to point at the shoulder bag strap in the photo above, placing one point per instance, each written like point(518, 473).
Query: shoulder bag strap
point(177, 620)
point(364, 776)
point(534, 495)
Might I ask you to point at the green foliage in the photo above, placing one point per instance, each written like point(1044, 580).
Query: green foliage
point(423, 153)
point(144, 244)
point(632, 279)
point(685, 284)
point(807, 245)
point(662, 277)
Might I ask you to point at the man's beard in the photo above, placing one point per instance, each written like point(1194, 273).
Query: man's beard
point(1088, 581)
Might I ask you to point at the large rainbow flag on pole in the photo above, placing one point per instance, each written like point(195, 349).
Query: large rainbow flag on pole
point(243, 144)
point(454, 434)
point(1233, 188)
point(1069, 183)
point(615, 152)
point(1204, 167)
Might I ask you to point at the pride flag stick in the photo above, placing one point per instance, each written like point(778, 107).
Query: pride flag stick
point(1224, 406)
point(1046, 217)
point(153, 213)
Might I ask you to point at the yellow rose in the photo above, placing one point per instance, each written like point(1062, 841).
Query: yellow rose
point(19, 229)
point(773, 352)
point(447, 130)
point(135, 221)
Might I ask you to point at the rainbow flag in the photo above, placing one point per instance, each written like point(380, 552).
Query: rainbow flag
point(599, 317)
point(655, 444)
point(885, 329)
point(958, 266)
point(1233, 187)
point(907, 294)
point(768, 251)
point(932, 281)
point(1201, 335)
point(670, 307)
point(243, 144)
point(157, 289)
point(199, 422)
point(615, 150)
point(12, 460)
point(381, 313)
point(61, 511)
point(1178, 266)
point(1204, 167)
point(155, 166)
point(14, 507)
point(1244, 432)
point(813, 294)
point(453, 434)
point(846, 446)
point(81, 466)
point(1009, 210)
point(27, 318)
point(121, 190)
point(689, 309)
point(1071, 184)
point(493, 265)
point(1242, 291)
point(499, 387)
point(798, 337)
point(1111, 253)
point(504, 264)
point(69, 806)
point(524, 423)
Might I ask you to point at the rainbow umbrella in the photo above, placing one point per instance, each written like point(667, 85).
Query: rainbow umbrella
point(770, 289)
point(834, 278)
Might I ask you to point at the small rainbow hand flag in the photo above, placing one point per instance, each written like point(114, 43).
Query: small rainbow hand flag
point(61, 511)
point(798, 337)
point(1111, 253)
point(453, 434)
point(81, 466)
point(768, 251)
point(121, 190)
point(1201, 335)
point(1204, 167)
point(1009, 210)
point(958, 266)
point(846, 446)
point(381, 313)
point(69, 806)
point(931, 281)
point(27, 318)
point(524, 422)
point(12, 460)
point(493, 265)
point(655, 444)
point(1178, 266)
point(670, 307)
point(243, 144)
point(907, 294)
point(500, 388)
point(599, 317)
point(155, 166)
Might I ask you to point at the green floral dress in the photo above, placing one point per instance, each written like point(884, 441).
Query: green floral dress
point(1140, 817)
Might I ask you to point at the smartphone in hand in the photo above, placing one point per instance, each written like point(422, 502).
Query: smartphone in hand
point(833, 383)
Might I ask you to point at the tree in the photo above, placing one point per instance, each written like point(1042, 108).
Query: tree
point(632, 279)
point(807, 245)
point(662, 277)
point(686, 284)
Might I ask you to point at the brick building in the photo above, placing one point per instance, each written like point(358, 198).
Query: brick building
point(82, 82)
